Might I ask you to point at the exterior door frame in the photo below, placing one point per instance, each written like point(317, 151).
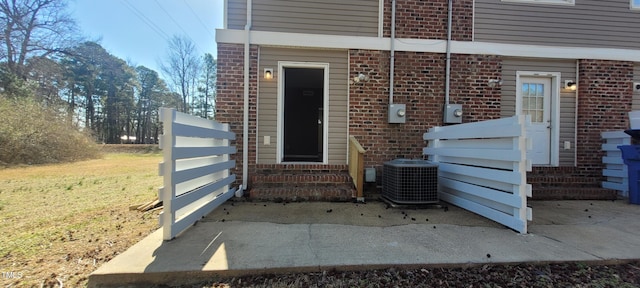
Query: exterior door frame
point(554, 102)
point(325, 105)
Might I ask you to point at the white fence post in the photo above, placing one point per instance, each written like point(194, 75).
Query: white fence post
point(195, 168)
point(482, 168)
point(615, 170)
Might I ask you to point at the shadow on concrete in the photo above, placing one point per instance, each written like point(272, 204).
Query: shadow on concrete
point(302, 237)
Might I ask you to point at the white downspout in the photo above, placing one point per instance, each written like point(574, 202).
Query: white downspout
point(575, 131)
point(245, 120)
point(448, 63)
point(392, 59)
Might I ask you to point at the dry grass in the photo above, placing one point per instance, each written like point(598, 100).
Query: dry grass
point(63, 221)
point(31, 133)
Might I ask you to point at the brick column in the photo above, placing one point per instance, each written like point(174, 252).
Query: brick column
point(604, 98)
point(230, 98)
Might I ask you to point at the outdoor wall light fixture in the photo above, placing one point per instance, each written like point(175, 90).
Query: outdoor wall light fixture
point(360, 78)
point(494, 82)
point(268, 73)
point(570, 84)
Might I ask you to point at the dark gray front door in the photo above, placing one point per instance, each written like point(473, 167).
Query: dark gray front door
point(303, 119)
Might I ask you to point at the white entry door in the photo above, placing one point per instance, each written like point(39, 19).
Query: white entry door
point(536, 102)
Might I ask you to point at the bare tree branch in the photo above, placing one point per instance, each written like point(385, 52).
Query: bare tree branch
point(182, 66)
point(34, 28)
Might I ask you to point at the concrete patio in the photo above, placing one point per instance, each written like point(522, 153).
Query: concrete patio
point(242, 238)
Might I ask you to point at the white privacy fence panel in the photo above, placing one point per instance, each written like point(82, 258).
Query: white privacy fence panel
point(614, 168)
point(483, 168)
point(195, 169)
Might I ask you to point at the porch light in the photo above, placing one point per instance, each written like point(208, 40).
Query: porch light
point(494, 82)
point(268, 73)
point(360, 78)
point(570, 84)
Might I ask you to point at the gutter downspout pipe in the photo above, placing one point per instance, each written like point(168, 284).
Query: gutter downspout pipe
point(448, 61)
point(245, 120)
point(392, 49)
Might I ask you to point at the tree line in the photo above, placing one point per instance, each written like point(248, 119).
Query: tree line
point(41, 57)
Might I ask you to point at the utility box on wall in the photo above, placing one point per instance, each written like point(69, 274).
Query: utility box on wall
point(453, 113)
point(397, 113)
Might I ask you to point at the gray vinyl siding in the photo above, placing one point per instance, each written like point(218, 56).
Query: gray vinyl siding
point(338, 91)
point(567, 68)
point(590, 23)
point(635, 105)
point(236, 14)
point(334, 17)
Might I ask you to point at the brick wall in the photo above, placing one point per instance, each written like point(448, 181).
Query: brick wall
point(604, 98)
point(230, 97)
point(419, 83)
point(428, 19)
point(469, 77)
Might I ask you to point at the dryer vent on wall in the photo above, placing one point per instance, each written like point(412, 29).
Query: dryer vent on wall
point(406, 181)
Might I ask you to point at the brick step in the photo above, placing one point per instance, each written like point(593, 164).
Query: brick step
point(327, 192)
point(574, 193)
point(301, 179)
point(564, 181)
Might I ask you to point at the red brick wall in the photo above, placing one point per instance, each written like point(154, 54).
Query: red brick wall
point(604, 98)
point(419, 83)
point(469, 77)
point(230, 97)
point(421, 19)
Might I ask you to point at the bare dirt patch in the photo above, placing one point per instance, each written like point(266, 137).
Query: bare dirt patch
point(61, 222)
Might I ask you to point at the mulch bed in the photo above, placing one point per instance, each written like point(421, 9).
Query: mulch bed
point(522, 275)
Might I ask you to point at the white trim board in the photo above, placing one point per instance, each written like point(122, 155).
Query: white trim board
point(300, 40)
point(380, 18)
point(544, 2)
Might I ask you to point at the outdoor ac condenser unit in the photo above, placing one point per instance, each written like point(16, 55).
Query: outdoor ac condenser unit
point(406, 181)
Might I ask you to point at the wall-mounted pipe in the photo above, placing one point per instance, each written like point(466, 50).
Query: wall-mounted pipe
point(245, 119)
point(447, 85)
point(392, 57)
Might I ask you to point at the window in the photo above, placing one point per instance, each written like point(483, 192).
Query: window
point(635, 4)
point(552, 2)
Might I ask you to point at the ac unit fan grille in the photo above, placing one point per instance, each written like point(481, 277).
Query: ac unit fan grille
point(410, 181)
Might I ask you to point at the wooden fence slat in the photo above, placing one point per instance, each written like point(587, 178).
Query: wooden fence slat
point(196, 194)
point(501, 131)
point(502, 218)
point(614, 173)
point(498, 128)
point(188, 221)
point(479, 191)
point(195, 168)
point(185, 175)
point(615, 170)
point(488, 154)
point(510, 177)
point(192, 152)
point(482, 168)
point(191, 131)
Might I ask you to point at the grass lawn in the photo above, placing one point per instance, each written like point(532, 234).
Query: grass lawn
point(61, 222)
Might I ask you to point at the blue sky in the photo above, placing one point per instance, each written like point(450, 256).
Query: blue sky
point(137, 30)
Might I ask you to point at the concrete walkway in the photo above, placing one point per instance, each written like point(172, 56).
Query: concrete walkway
point(302, 237)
